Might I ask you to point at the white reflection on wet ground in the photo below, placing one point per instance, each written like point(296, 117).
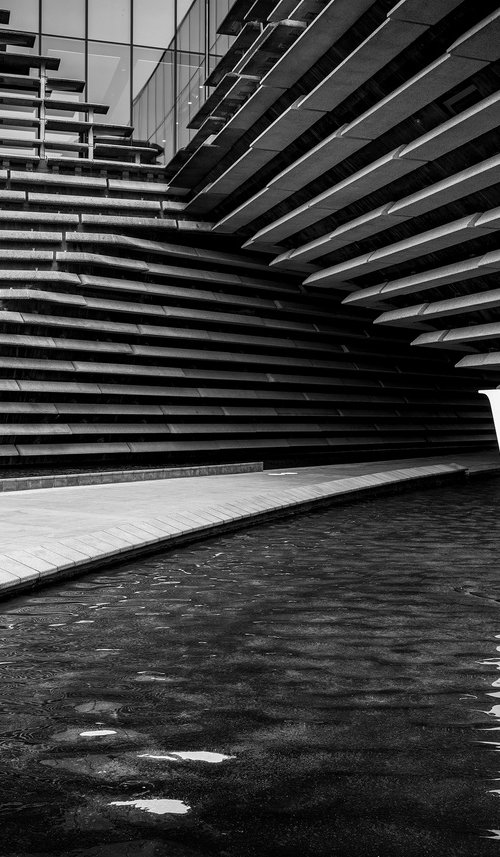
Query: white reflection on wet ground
point(189, 756)
point(157, 806)
point(94, 733)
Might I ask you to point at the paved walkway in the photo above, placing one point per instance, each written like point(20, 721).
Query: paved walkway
point(51, 532)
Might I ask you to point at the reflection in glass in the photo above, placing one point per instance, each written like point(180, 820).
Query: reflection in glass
point(154, 23)
point(71, 52)
point(109, 19)
point(23, 49)
point(23, 15)
point(153, 109)
point(64, 17)
point(109, 79)
point(154, 79)
point(146, 62)
point(72, 55)
point(166, 98)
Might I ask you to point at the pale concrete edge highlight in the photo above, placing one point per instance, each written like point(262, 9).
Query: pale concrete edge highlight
point(56, 560)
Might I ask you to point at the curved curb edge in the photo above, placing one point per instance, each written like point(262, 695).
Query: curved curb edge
point(57, 560)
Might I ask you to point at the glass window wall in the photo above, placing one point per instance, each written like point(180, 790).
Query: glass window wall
point(109, 79)
point(165, 114)
point(154, 23)
point(147, 59)
point(109, 20)
point(71, 52)
point(71, 23)
point(24, 15)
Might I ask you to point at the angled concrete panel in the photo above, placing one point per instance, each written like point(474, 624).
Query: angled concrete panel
point(431, 241)
point(478, 177)
point(423, 11)
point(389, 39)
point(480, 42)
point(335, 19)
point(436, 79)
point(287, 127)
point(476, 120)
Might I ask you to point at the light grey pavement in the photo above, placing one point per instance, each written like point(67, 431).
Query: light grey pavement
point(51, 533)
point(30, 518)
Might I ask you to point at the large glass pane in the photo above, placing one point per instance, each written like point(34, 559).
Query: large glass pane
point(23, 15)
point(154, 22)
point(191, 34)
point(109, 79)
point(183, 6)
point(151, 106)
point(72, 55)
point(196, 19)
point(164, 136)
point(155, 99)
point(139, 120)
point(161, 96)
point(109, 20)
point(64, 17)
point(146, 65)
point(71, 52)
point(183, 36)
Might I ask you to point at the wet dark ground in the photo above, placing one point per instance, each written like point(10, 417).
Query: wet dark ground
point(345, 661)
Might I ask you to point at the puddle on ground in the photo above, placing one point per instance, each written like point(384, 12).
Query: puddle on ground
point(321, 686)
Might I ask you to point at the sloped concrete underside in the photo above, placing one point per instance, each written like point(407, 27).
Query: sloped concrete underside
point(129, 332)
point(134, 330)
point(365, 157)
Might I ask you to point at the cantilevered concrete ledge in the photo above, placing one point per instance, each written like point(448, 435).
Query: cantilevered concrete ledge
point(57, 559)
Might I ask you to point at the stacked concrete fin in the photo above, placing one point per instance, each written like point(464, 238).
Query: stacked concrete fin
point(364, 154)
point(131, 331)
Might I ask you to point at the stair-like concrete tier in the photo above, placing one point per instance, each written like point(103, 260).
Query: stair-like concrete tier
point(364, 158)
point(134, 328)
point(129, 331)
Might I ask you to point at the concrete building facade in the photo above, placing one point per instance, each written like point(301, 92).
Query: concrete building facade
point(257, 297)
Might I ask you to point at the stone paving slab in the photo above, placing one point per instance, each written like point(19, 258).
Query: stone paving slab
point(66, 535)
point(30, 518)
